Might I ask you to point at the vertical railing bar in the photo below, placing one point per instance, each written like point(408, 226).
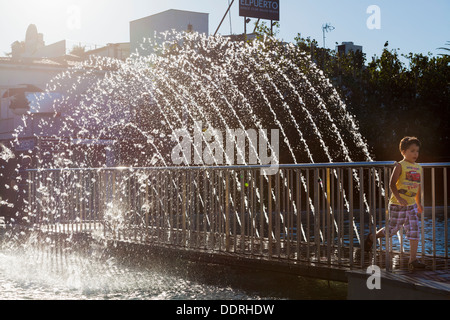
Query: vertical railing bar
point(361, 214)
point(183, 209)
point(433, 211)
point(157, 201)
point(254, 210)
point(30, 206)
point(242, 211)
point(211, 209)
point(299, 211)
point(98, 209)
point(422, 216)
point(79, 203)
point(323, 212)
point(445, 213)
point(214, 210)
point(130, 226)
point(187, 213)
point(291, 208)
point(62, 188)
point(327, 211)
point(177, 197)
point(333, 220)
point(91, 198)
point(102, 201)
point(380, 206)
point(387, 174)
point(235, 209)
point(278, 213)
point(227, 211)
point(308, 211)
point(33, 200)
point(132, 206)
point(51, 220)
point(316, 214)
point(205, 208)
point(370, 210)
point(190, 211)
point(170, 195)
point(161, 196)
point(342, 214)
point(219, 208)
point(336, 193)
point(73, 201)
point(196, 194)
point(251, 209)
point(287, 213)
point(261, 212)
point(269, 200)
point(55, 183)
point(374, 214)
point(167, 211)
point(147, 210)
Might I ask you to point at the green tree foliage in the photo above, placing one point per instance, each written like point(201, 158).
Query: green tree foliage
point(392, 96)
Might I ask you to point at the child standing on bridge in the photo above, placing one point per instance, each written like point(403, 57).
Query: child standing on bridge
point(405, 204)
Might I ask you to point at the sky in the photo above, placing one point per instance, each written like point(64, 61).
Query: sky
point(409, 25)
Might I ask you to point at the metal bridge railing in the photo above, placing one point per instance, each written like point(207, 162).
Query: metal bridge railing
point(317, 213)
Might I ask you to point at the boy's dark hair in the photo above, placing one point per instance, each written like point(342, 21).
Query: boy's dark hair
point(407, 142)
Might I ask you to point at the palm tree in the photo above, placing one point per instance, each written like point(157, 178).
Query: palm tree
point(446, 49)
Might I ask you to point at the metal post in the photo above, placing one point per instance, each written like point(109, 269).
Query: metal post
point(261, 213)
point(269, 199)
point(245, 29)
point(308, 211)
point(387, 219)
point(445, 214)
point(299, 211)
point(350, 215)
point(328, 213)
point(183, 210)
point(277, 214)
point(374, 216)
point(422, 218)
point(433, 212)
point(227, 212)
point(361, 214)
point(316, 214)
point(224, 16)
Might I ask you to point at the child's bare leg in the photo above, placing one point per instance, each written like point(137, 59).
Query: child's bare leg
point(413, 249)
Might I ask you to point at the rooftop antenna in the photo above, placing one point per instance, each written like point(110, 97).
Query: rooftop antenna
point(326, 28)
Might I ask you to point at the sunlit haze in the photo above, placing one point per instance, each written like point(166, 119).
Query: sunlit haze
point(411, 26)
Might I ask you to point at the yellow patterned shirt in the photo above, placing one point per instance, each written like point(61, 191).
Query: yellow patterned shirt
point(408, 183)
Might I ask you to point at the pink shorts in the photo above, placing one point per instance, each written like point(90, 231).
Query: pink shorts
point(406, 217)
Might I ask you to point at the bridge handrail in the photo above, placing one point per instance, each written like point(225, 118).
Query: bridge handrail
point(233, 209)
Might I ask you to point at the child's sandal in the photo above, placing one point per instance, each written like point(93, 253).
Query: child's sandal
point(416, 264)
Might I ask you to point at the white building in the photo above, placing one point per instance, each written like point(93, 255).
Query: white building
point(23, 82)
point(119, 51)
point(178, 20)
point(34, 46)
